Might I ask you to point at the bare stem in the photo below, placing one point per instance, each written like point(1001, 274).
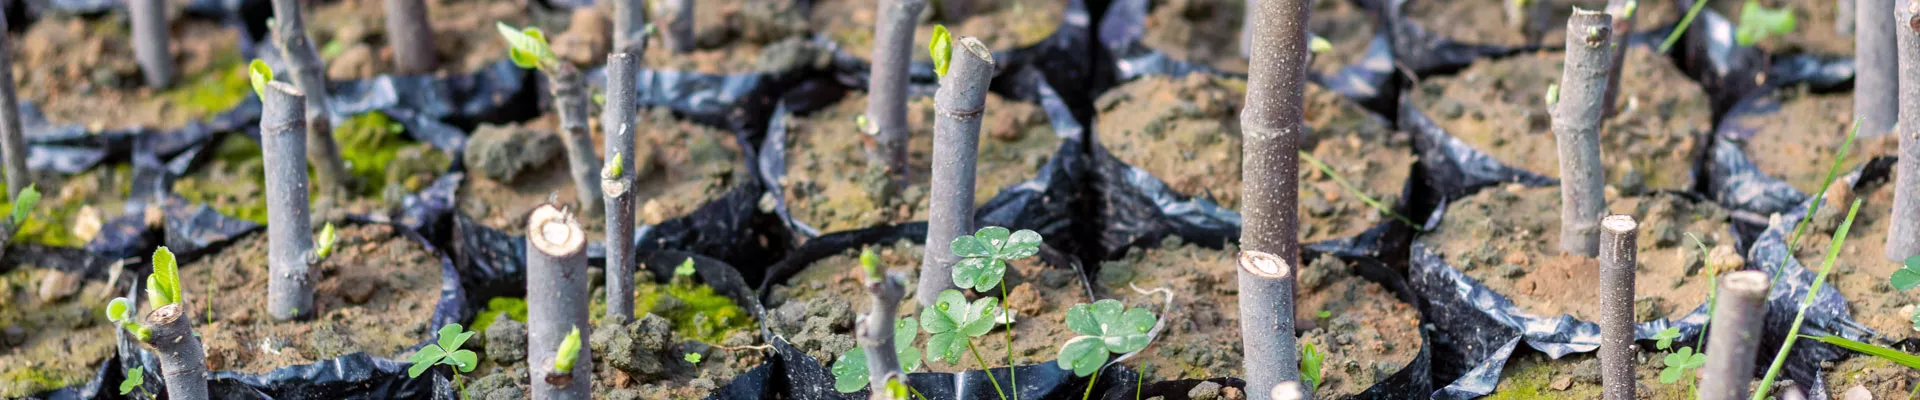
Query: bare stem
point(617, 119)
point(182, 360)
point(1576, 126)
point(875, 331)
point(630, 27)
point(411, 36)
point(960, 102)
point(1623, 12)
point(1739, 309)
point(556, 302)
point(680, 37)
point(1904, 238)
point(289, 231)
point(1272, 124)
point(149, 20)
point(1876, 95)
point(570, 101)
point(1618, 254)
point(887, 84)
point(1266, 320)
point(13, 142)
point(309, 74)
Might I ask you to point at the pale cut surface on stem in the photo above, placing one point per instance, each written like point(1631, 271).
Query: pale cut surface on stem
point(1876, 96)
point(150, 37)
point(182, 361)
point(617, 120)
point(13, 142)
point(887, 82)
point(1576, 127)
point(570, 103)
point(309, 74)
point(1903, 239)
point(1273, 122)
point(959, 105)
point(1618, 254)
point(283, 148)
point(556, 301)
point(1266, 318)
point(411, 36)
point(1739, 310)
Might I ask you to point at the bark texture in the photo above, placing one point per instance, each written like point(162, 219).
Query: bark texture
point(960, 102)
point(630, 27)
point(1576, 127)
point(1876, 96)
point(1904, 238)
point(887, 83)
point(875, 331)
point(411, 37)
point(150, 38)
point(1266, 322)
point(13, 140)
point(1623, 12)
point(1739, 309)
point(1273, 123)
point(557, 302)
point(1617, 262)
point(617, 119)
point(182, 361)
point(680, 25)
point(570, 101)
point(310, 75)
point(289, 231)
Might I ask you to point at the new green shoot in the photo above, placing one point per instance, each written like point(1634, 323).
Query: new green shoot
point(1311, 360)
point(568, 352)
point(445, 351)
point(259, 74)
point(941, 49)
point(325, 243)
point(1757, 22)
point(120, 312)
point(613, 168)
point(29, 198)
point(163, 286)
point(526, 47)
point(692, 358)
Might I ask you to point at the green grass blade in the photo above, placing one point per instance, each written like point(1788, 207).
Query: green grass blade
point(1682, 27)
point(1793, 333)
point(1356, 191)
point(1909, 360)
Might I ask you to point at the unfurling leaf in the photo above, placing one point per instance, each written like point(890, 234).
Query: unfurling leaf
point(869, 262)
point(163, 287)
point(693, 358)
point(425, 358)
point(259, 73)
point(685, 268)
point(1553, 94)
point(120, 310)
point(568, 352)
point(29, 198)
point(613, 168)
point(1310, 361)
point(941, 48)
point(135, 377)
point(526, 47)
point(1757, 22)
point(325, 242)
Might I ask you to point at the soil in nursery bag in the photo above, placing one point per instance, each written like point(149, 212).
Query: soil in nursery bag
point(81, 70)
point(1872, 375)
point(1207, 32)
point(374, 294)
point(516, 167)
point(53, 329)
point(1523, 260)
point(1366, 332)
point(1862, 268)
point(386, 166)
point(1000, 24)
point(1813, 30)
point(1485, 22)
point(1794, 134)
point(1186, 131)
point(1498, 106)
point(730, 36)
point(831, 186)
point(353, 41)
point(1533, 375)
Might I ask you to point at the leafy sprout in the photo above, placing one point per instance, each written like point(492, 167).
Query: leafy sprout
point(1757, 22)
point(163, 286)
point(941, 48)
point(1553, 93)
point(1107, 327)
point(447, 351)
point(954, 322)
point(693, 358)
point(685, 268)
point(526, 47)
point(984, 255)
point(1679, 362)
point(120, 312)
point(613, 168)
point(325, 243)
point(568, 352)
point(1310, 361)
point(29, 198)
point(865, 125)
point(850, 372)
point(1664, 339)
point(259, 73)
point(135, 377)
point(1317, 44)
point(1908, 277)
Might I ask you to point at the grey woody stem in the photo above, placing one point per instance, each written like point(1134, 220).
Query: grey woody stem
point(1623, 12)
point(1266, 320)
point(630, 27)
point(680, 37)
point(1618, 254)
point(182, 361)
point(1738, 311)
point(617, 120)
point(289, 231)
point(955, 11)
point(411, 36)
point(875, 331)
point(570, 101)
point(149, 20)
point(13, 140)
point(556, 302)
point(1904, 239)
point(960, 103)
point(309, 74)
point(1576, 126)
point(1876, 95)
point(1273, 123)
point(887, 84)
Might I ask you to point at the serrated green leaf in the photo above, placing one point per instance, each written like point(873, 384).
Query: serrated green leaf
point(1083, 355)
point(464, 360)
point(1024, 243)
point(850, 371)
point(135, 377)
point(941, 49)
point(164, 284)
point(568, 352)
point(28, 199)
point(326, 241)
point(259, 74)
point(120, 310)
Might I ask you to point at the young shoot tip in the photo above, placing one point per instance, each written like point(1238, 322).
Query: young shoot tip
point(941, 48)
point(568, 353)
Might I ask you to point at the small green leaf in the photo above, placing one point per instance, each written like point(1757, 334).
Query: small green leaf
point(870, 262)
point(1916, 319)
point(1905, 279)
point(452, 336)
point(1664, 339)
point(850, 371)
point(692, 358)
point(1080, 320)
point(979, 317)
point(904, 330)
point(941, 48)
point(1324, 314)
point(1310, 361)
point(259, 73)
point(140, 332)
point(866, 126)
point(326, 241)
point(135, 377)
point(1131, 335)
point(909, 359)
point(946, 346)
point(425, 358)
point(120, 310)
point(978, 273)
point(568, 352)
point(1758, 22)
point(1670, 375)
point(1024, 243)
point(613, 168)
point(1317, 44)
point(29, 198)
point(896, 389)
point(1553, 94)
point(936, 318)
point(526, 47)
point(1083, 355)
point(970, 246)
point(163, 287)
point(685, 268)
point(464, 360)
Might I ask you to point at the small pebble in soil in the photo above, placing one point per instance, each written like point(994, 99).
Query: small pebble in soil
point(1204, 391)
point(507, 341)
point(57, 285)
point(1648, 308)
point(500, 385)
point(505, 153)
point(1587, 371)
point(14, 336)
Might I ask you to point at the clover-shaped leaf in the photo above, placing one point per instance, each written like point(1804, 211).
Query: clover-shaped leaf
point(952, 320)
point(1679, 362)
point(1907, 278)
point(984, 255)
point(526, 47)
point(135, 377)
point(452, 336)
point(850, 372)
point(120, 310)
point(445, 351)
point(1664, 339)
point(1122, 330)
point(1083, 355)
point(324, 243)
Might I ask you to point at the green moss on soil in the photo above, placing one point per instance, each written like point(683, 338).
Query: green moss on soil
point(49, 223)
point(370, 143)
point(31, 380)
point(514, 307)
point(218, 89)
point(236, 156)
point(704, 314)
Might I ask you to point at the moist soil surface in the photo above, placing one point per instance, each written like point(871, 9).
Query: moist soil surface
point(374, 294)
point(352, 40)
point(1485, 21)
point(1861, 270)
point(831, 185)
point(80, 70)
point(1000, 24)
point(53, 329)
point(1798, 142)
point(1366, 334)
point(1186, 131)
point(1498, 106)
point(1207, 32)
point(1526, 264)
point(683, 165)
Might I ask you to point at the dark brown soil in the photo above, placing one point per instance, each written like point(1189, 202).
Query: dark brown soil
point(1877, 376)
point(1526, 265)
point(50, 343)
point(1208, 32)
point(1142, 122)
point(1798, 142)
point(1498, 106)
point(374, 294)
point(1813, 30)
point(82, 71)
point(1485, 21)
point(831, 185)
point(1531, 375)
point(351, 35)
point(1366, 336)
point(1000, 24)
point(1862, 268)
point(730, 35)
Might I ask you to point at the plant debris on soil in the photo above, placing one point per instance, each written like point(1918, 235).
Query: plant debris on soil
point(1000, 24)
point(1187, 131)
point(374, 294)
point(1207, 32)
point(831, 186)
point(1499, 107)
point(1798, 142)
point(1526, 265)
point(1532, 375)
